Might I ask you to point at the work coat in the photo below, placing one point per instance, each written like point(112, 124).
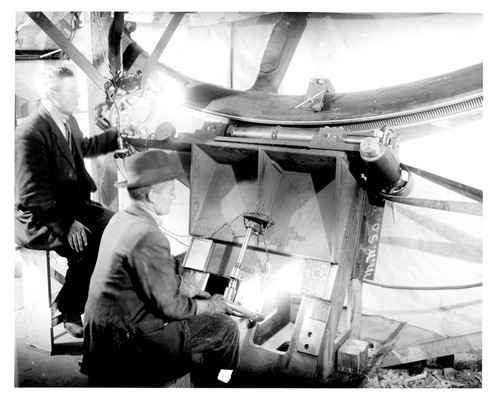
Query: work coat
point(51, 181)
point(135, 309)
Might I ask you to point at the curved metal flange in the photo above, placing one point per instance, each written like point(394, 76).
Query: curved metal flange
point(447, 90)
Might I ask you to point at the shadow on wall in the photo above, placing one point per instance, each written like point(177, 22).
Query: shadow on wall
point(429, 248)
point(412, 311)
point(461, 245)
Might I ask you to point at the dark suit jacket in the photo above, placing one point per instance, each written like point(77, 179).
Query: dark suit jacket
point(51, 182)
point(134, 291)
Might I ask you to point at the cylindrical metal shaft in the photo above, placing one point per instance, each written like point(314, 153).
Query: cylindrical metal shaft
point(274, 133)
point(382, 162)
point(232, 287)
point(243, 248)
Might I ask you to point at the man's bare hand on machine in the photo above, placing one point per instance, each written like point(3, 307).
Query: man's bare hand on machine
point(220, 305)
point(77, 236)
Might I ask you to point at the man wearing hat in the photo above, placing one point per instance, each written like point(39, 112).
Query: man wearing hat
point(142, 325)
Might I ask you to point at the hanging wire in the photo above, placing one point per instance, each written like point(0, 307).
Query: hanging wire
point(148, 138)
point(267, 265)
point(172, 235)
point(225, 225)
point(423, 288)
point(175, 234)
point(118, 124)
point(119, 169)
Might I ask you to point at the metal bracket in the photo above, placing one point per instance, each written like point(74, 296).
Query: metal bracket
point(311, 336)
point(315, 94)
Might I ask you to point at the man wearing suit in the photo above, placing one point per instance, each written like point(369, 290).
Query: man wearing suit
point(143, 326)
point(53, 210)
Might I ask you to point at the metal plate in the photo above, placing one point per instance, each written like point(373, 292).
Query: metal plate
point(196, 277)
point(198, 254)
point(311, 336)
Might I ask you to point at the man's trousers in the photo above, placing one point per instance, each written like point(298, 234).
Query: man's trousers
point(73, 295)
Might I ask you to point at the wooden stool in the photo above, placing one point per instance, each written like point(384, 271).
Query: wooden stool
point(43, 276)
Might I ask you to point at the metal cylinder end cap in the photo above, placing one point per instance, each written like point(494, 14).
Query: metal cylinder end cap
point(370, 147)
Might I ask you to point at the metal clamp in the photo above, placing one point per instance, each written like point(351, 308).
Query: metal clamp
point(315, 94)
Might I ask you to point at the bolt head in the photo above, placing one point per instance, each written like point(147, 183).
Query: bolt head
point(370, 147)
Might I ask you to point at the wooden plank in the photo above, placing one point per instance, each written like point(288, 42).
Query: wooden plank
point(342, 337)
point(160, 46)
point(370, 241)
point(318, 278)
point(378, 357)
point(295, 363)
point(37, 300)
point(354, 307)
point(326, 359)
point(352, 356)
point(310, 308)
point(433, 349)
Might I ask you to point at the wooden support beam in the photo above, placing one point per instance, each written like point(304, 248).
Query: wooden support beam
point(352, 356)
point(160, 46)
point(326, 359)
point(379, 356)
point(369, 242)
point(69, 48)
point(341, 338)
point(434, 349)
point(354, 307)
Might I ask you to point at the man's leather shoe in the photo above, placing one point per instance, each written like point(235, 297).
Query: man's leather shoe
point(73, 325)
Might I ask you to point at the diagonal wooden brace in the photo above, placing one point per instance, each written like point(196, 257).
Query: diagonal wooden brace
point(56, 35)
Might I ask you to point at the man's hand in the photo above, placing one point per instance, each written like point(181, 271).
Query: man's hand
point(220, 306)
point(130, 131)
point(77, 237)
